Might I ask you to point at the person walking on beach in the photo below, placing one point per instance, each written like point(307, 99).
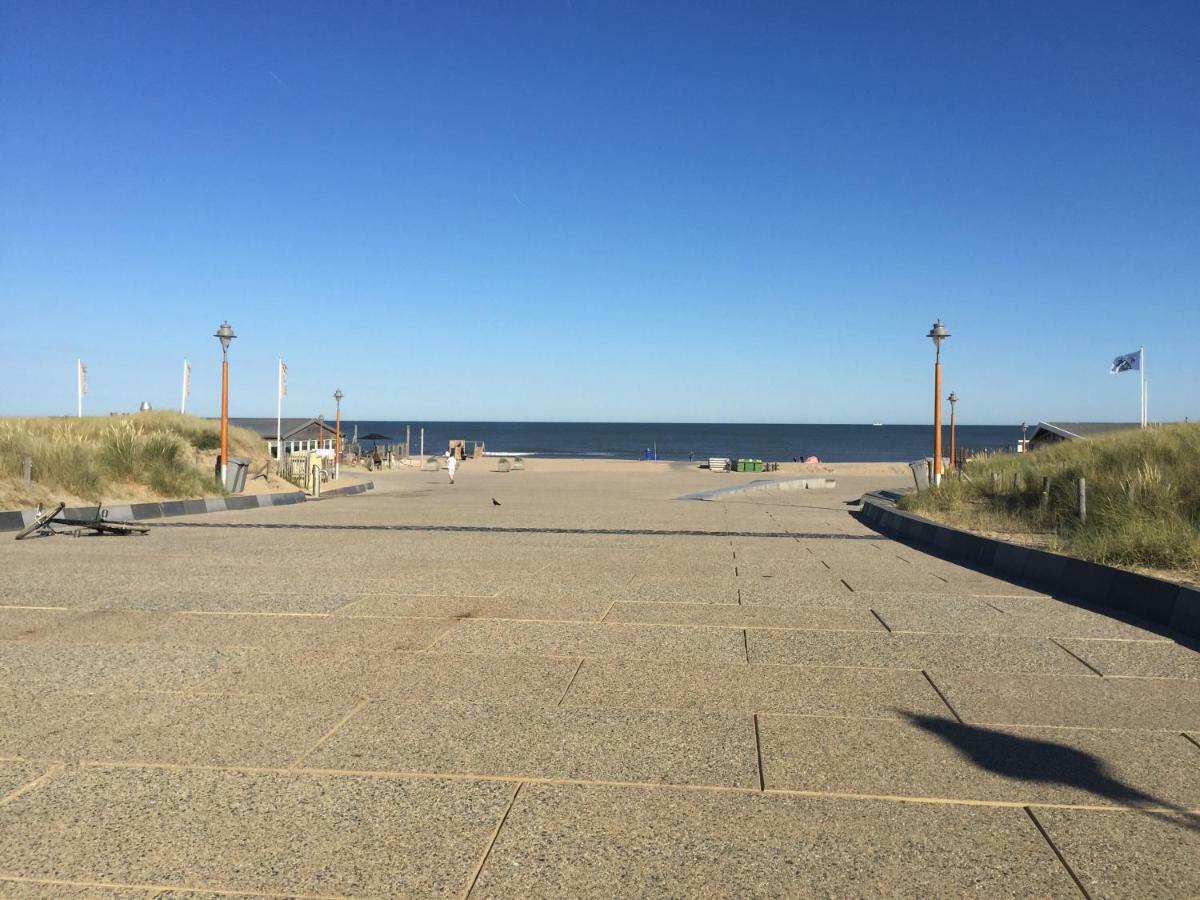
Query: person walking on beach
point(451, 464)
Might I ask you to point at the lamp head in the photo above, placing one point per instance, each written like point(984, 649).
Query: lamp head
point(225, 335)
point(338, 395)
point(938, 333)
point(953, 398)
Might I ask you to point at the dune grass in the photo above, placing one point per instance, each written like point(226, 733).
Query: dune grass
point(1143, 498)
point(145, 456)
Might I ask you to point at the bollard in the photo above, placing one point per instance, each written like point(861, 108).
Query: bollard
point(1044, 501)
point(27, 469)
point(1082, 500)
point(996, 483)
point(316, 482)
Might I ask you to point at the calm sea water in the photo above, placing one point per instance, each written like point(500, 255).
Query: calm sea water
point(675, 440)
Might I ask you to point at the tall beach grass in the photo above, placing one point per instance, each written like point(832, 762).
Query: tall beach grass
point(1143, 497)
point(142, 456)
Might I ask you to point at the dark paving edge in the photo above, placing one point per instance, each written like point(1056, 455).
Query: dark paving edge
point(15, 520)
point(1163, 603)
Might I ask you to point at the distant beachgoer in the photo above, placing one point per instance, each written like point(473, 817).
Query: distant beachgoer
point(451, 464)
point(691, 455)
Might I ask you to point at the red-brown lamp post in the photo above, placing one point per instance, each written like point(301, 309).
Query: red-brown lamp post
point(937, 334)
point(337, 437)
point(953, 398)
point(225, 335)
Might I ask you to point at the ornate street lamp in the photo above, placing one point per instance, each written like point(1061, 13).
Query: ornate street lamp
point(953, 398)
point(225, 335)
point(337, 436)
point(937, 334)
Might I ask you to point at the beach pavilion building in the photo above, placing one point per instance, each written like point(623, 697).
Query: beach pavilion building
point(297, 435)
point(1047, 433)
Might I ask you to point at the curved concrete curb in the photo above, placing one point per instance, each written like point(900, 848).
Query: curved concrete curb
point(15, 520)
point(1161, 602)
point(786, 484)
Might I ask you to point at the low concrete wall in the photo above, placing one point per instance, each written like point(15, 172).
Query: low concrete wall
point(786, 484)
point(15, 520)
point(1160, 602)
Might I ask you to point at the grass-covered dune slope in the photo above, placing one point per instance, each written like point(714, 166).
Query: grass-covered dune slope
point(146, 456)
point(1143, 498)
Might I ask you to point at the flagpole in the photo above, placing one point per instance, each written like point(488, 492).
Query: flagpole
point(183, 389)
point(279, 414)
point(1142, 372)
point(79, 388)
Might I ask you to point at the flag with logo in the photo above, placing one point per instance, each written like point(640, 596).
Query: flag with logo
point(187, 378)
point(282, 378)
point(1129, 362)
point(82, 378)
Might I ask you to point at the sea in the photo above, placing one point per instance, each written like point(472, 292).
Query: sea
point(683, 441)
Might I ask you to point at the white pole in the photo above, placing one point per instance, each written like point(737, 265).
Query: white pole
point(184, 390)
point(279, 413)
point(1142, 372)
point(422, 443)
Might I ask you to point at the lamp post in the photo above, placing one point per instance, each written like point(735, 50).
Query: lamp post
point(937, 334)
point(953, 398)
point(1024, 442)
point(337, 437)
point(225, 335)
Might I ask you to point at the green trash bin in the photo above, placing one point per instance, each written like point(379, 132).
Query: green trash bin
point(758, 465)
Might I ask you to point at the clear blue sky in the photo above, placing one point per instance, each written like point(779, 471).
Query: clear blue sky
point(597, 211)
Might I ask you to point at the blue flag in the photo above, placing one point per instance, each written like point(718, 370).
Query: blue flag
point(1130, 362)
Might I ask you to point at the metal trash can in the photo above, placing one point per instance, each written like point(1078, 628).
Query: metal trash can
point(920, 471)
point(235, 475)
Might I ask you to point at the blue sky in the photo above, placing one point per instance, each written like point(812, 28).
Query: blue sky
point(602, 211)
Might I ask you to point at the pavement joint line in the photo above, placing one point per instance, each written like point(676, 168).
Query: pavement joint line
point(1191, 740)
point(938, 691)
point(746, 644)
point(567, 690)
point(847, 584)
point(449, 629)
point(881, 622)
point(492, 843)
point(30, 785)
point(607, 611)
point(1076, 656)
point(363, 701)
point(226, 892)
point(1058, 853)
point(762, 783)
point(55, 608)
point(996, 608)
point(650, 785)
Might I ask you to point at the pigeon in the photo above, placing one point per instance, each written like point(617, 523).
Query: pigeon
point(495, 502)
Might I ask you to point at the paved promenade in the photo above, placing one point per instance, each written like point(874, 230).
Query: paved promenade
point(590, 690)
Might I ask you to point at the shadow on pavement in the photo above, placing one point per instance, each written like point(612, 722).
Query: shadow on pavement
point(1030, 759)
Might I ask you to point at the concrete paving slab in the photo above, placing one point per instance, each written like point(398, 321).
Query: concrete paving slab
point(947, 759)
point(782, 689)
point(164, 728)
point(673, 589)
point(496, 637)
point(598, 841)
point(107, 667)
point(1148, 659)
point(410, 677)
point(1128, 854)
point(269, 832)
point(16, 774)
point(546, 742)
point(70, 626)
point(1038, 699)
point(973, 616)
point(810, 617)
point(565, 609)
point(308, 633)
point(985, 653)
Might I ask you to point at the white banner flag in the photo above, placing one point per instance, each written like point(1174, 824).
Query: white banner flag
point(82, 377)
point(187, 378)
point(1129, 362)
point(282, 378)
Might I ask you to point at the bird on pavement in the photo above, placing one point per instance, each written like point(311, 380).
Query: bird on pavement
point(495, 502)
